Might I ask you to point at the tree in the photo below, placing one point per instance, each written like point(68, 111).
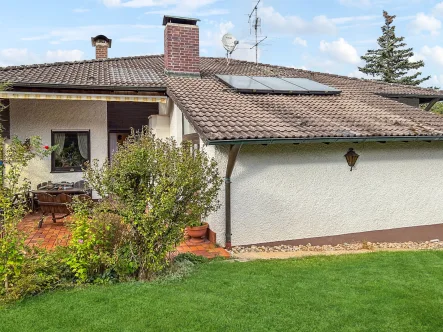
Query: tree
point(157, 188)
point(392, 61)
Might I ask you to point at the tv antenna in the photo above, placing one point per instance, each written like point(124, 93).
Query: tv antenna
point(255, 22)
point(229, 43)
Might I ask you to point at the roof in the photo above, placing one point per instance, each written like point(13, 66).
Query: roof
point(219, 113)
point(140, 71)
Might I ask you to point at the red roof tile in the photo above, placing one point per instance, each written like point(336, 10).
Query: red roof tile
point(220, 113)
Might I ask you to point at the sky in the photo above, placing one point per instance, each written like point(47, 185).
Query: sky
point(319, 35)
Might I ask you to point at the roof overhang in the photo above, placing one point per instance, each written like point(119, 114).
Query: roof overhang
point(82, 97)
point(265, 141)
point(88, 87)
point(422, 98)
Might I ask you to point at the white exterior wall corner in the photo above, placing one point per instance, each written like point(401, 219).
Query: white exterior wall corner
point(39, 117)
point(286, 192)
point(175, 122)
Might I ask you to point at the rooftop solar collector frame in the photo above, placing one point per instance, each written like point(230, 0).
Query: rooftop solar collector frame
point(277, 85)
point(311, 86)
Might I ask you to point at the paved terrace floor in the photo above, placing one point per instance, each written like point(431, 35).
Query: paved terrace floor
point(57, 234)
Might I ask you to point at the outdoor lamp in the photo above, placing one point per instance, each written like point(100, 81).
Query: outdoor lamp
point(351, 157)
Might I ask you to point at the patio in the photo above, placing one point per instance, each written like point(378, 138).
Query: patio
point(57, 234)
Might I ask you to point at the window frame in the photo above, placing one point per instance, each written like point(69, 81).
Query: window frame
point(69, 169)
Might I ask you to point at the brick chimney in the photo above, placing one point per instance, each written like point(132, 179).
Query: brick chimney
point(182, 49)
point(101, 44)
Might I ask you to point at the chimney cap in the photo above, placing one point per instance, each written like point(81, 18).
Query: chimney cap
point(99, 38)
point(179, 20)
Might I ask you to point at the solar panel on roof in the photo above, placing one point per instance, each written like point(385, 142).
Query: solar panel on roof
point(281, 85)
point(243, 83)
point(278, 85)
point(311, 86)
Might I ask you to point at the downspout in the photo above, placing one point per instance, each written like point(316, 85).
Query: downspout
point(232, 157)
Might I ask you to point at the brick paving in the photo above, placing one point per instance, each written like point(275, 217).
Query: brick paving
point(57, 234)
point(206, 249)
point(49, 236)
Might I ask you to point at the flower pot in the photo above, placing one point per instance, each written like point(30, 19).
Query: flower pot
point(197, 233)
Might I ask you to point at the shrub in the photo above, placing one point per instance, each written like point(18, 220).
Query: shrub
point(157, 188)
point(41, 271)
point(13, 206)
point(190, 257)
point(95, 247)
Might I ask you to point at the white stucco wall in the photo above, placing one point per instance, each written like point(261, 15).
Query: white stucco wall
point(39, 117)
point(175, 123)
point(159, 125)
point(286, 192)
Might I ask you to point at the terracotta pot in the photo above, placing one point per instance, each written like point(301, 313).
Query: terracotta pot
point(197, 233)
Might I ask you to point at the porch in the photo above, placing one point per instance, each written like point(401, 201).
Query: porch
point(57, 234)
point(84, 127)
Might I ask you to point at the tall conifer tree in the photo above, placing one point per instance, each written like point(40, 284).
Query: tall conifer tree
point(392, 61)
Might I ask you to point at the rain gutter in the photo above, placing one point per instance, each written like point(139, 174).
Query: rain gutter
point(325, 140)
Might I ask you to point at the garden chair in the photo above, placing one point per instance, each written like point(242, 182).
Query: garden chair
point(50, 204)
point(82, 184)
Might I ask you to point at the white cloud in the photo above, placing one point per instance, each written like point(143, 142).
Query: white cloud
point(212, 12)
point(300, 41)
point(184, 11)
point(157, 3)
point(111, 3)
point(64, 55)
point(438, 9)
point(355, 3)
point(435, 54)
point(80, 10)
point(84, 33)
point(175, 7)
point(16, 56)
point(341, 51)
point(423, 22)
point(137, 39)
point(22, 56)
point(435, 80)
point(350, 19)
point(293, 25)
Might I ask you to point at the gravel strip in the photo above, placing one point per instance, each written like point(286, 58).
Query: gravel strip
point(433, 244)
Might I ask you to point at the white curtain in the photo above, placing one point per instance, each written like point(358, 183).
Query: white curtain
point(83, 144)
point(59, 139)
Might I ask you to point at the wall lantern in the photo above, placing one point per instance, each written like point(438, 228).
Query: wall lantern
point(351, 157)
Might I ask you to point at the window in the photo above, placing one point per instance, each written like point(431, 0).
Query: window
point(73, 150)
point(187, 127)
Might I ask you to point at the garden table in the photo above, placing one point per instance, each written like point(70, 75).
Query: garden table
point(56, 191)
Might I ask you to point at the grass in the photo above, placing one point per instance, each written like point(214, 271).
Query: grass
point(397, 291)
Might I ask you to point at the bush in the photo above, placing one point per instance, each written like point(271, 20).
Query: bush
point(152, 190)
point(190, 257)
point(95, 250)
point(13, 188)
point(41, 271)
point(157, 188)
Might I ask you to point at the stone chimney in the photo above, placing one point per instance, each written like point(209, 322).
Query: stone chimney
point(182, 49)
point(101, 44)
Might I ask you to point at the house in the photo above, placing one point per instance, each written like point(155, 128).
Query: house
point(281, 150)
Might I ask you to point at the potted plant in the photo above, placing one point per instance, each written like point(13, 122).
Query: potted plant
point(197, 231)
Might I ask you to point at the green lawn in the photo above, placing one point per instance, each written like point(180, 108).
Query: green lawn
point(399, 291)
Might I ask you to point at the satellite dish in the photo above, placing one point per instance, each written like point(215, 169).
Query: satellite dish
point(229, 42)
